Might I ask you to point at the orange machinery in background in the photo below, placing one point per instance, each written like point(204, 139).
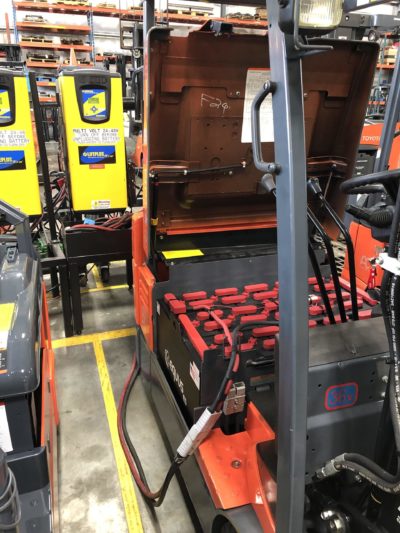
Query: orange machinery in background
point(365, 246)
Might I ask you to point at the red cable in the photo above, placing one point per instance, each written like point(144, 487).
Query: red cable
point(89, 226)
point(129, 458)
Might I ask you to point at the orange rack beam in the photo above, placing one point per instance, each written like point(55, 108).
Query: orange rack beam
point(53, 46)
point(52, 28)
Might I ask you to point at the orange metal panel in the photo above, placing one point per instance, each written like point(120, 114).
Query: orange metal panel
point(233, 472)
point(144, 281)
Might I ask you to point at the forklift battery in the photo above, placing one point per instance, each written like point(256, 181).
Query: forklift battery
point(19, 184)
point(347, 371)
point(93, 135)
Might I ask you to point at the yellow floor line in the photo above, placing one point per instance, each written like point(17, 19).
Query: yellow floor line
point(105, 288)
point(97, 278)
point(102, 336)
point(125, 479)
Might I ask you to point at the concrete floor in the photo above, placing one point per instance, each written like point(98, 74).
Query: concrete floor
point(90, 489)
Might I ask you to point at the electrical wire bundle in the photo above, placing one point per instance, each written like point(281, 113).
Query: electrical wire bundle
point(106, 224)
point(390, 302)
point(197, 433)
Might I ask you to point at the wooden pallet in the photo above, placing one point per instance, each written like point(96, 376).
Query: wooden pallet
point(71, 3)
point(27, 39)
point(43, 60)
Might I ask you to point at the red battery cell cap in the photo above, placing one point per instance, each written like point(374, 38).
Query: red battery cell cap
point(265, 331)
point(202, 315)
point(230, 291)
point(201, 303)
point(244, 310)
point(177, 307)
point(256, 288)
point(366, 313)
point(169, 296)
point(246, 319)
point(236, 299)
point(269, 344)
point(270, 306)
point(200, 295)
point(312, 323)
point(336, 317)
point(315, 310)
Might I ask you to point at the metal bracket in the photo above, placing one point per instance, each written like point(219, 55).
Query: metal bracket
point(391, 264)
point(235, 400)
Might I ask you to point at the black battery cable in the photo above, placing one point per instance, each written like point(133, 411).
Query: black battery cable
point(197, 433)
point(390, 302)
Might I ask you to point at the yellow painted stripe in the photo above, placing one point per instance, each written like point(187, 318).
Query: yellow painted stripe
point(97, 278)
point(86, 339)
point(125, 479)
point(108, 288)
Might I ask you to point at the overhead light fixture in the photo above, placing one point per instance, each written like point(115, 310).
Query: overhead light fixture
point(310, 16)
point(320, 14)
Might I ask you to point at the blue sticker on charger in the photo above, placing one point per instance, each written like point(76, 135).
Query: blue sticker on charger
point(96, 155)
point(341, 396)
point(12, 160)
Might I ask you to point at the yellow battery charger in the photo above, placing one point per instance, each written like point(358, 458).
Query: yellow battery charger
point(93, 139)
point(19, 183)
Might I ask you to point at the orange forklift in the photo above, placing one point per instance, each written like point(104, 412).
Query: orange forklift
point(272, 378)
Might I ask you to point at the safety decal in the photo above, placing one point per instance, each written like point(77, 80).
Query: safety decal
point(341, 396)
point(12, 160)
point(5, 109)
point(94, 155)
point(5, 435)
point(94, 103)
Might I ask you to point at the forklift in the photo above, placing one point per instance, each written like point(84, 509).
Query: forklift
point(273, 379)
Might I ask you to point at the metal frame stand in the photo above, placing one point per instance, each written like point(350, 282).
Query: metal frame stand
point(56, 263)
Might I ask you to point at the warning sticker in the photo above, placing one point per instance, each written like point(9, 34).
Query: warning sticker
point(5, 109)
point(195, 374)
point(101, 204)
point(254, 81)
point(5, 436)
point(95, 136)
point(11, 138)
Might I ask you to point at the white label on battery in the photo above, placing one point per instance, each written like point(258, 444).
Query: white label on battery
point(95, 136)
point(5, 436)
point(101, 204)
point(254, 81)
point(11, 138)
point(195, 374)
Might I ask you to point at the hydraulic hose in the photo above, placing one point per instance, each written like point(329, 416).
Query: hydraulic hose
point(321, 284)
point(331, 257)
point(315, 188)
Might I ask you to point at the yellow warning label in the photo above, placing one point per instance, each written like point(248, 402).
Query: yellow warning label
point(180, 254)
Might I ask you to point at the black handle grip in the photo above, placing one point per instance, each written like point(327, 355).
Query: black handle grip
point(268, 88)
